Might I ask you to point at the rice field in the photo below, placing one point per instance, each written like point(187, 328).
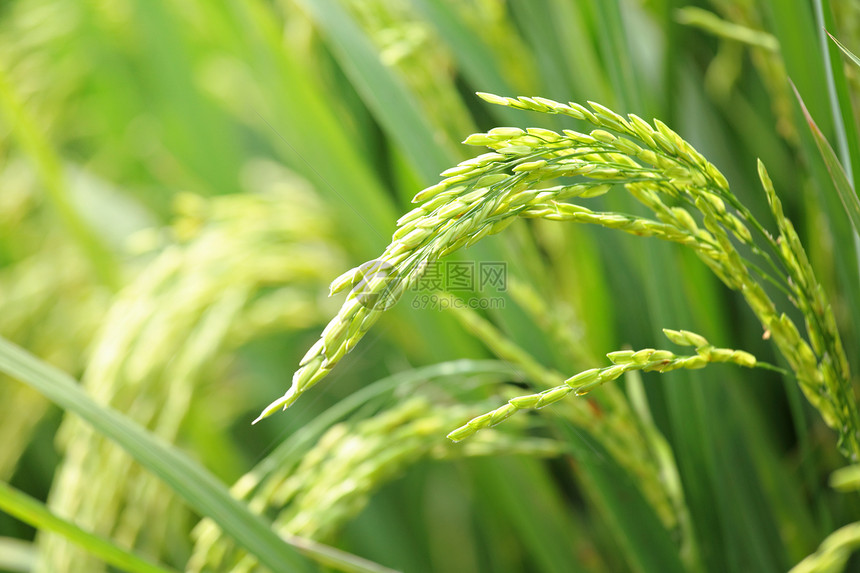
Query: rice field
point(424, 285)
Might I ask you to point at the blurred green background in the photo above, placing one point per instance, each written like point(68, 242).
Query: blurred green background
point(179, 182)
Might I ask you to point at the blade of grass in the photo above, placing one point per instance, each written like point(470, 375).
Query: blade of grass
point(480, 67)
point(837, 173)
point(381, 89)
point(190, 481)
point(782, 490)
point(537, 22)
point(200, 489)
point(840, 105)
point(838, 94)
point(335, 558)
point(646, 544)
point(845, 50)
point(613, 40)
point(584, 69)
point(525, 496)
point(846, 129)
point(34, 512)
point(794, 26)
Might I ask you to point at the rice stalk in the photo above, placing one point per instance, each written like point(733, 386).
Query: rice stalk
point(741, 30)
point(689, 197)
point(608, 415)
point(623, 361)
point(336, 477)
point(174, 329)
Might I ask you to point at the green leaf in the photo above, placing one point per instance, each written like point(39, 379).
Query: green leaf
point(617, 50)
point(34, 512)
point(382, 91)
point(837, 174)
point(203, 492)
point(525, 498)
point(483, 69)
point(845, 50)
point(646, 544)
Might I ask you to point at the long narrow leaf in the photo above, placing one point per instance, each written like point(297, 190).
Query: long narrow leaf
point(845, 50)
point(381, 90)
point(34, 512)
point(645, 543)
point(203, 492)
point(837, 174)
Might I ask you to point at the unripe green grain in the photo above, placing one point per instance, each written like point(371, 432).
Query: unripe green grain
point(468, 205)
point(647, 359)
point(544, 134)
point(620, 356)
point(529, 166)
point(479, 139)
point(493, 99)
point(502, 133)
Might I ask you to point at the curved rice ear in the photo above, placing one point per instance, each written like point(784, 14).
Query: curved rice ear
point(647, 360)
point(482, 195)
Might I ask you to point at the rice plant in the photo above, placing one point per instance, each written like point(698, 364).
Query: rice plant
point(666, 385)
point(482, 196)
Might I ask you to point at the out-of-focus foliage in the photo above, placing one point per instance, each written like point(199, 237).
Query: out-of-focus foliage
point(180, 182)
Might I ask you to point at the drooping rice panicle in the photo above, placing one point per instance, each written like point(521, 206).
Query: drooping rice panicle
point(607, 416)
point(337, 476)
point(174, 330)
point(646, 360)
point(689, 197)
point(483, 195)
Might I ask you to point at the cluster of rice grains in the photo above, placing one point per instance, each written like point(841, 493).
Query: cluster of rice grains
point(647, 360)
point(48, 298)
point(315, 493)
point(692, 205)
point(167, 343)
